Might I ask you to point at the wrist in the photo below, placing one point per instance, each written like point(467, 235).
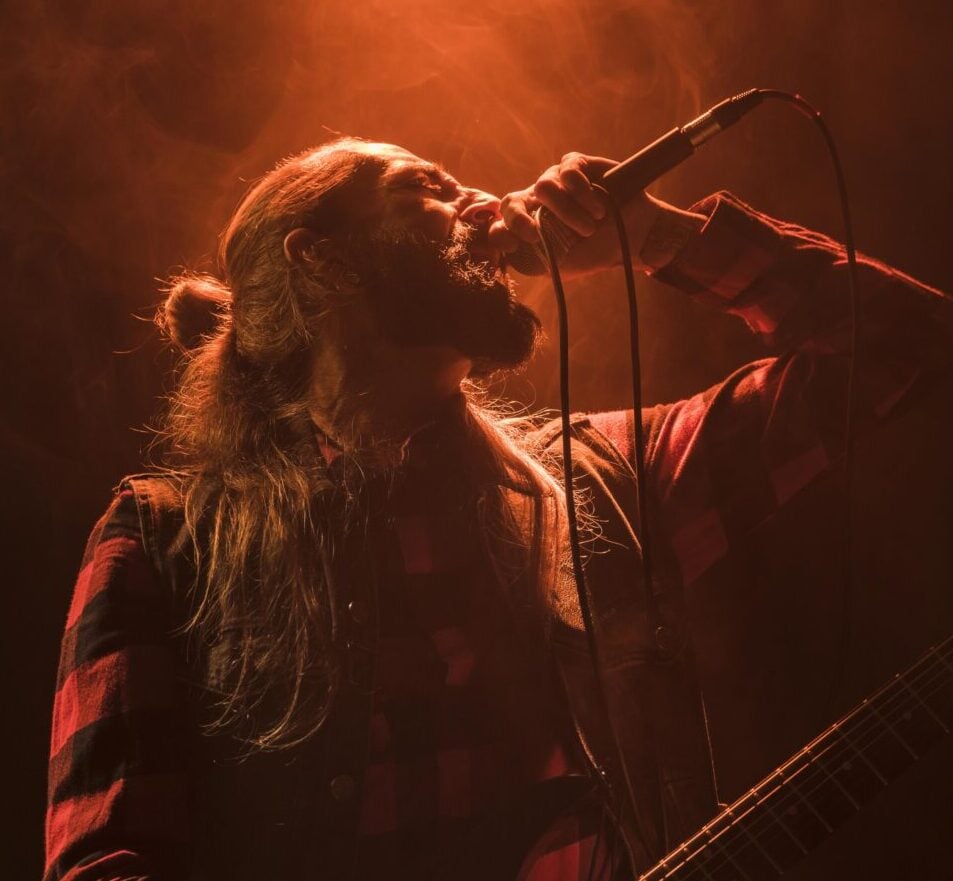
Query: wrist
point(670, 231)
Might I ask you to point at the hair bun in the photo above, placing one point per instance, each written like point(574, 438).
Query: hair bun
point(193, 310)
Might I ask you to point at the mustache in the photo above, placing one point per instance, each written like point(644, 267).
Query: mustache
point(428, 292)
point(412, 252)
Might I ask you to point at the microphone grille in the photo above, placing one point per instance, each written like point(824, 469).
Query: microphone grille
point(530, 259)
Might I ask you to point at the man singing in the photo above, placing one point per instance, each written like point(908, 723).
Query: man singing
point(336, 635)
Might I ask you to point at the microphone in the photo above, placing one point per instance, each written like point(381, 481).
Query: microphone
point(634, 174)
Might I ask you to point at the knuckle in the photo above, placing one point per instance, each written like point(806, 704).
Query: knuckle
point(575, 180)
point(549, 176)
point(546, 186)
point(513, 204)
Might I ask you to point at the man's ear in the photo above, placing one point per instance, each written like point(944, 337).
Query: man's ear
point(320, 258)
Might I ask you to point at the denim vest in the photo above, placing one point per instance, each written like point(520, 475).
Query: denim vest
point(294, 813)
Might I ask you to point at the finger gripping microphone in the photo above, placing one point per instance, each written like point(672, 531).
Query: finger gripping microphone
point(634, 174)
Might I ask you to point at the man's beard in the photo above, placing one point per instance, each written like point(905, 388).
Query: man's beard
point(434, 293)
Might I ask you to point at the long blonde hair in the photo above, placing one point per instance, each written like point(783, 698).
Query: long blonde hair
point(259, 505)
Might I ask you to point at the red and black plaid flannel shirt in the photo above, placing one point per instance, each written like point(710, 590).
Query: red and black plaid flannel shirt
point(719, 463)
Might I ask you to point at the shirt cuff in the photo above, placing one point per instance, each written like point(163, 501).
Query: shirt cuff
point(734, 248)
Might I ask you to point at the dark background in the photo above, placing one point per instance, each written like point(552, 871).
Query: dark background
point(130, 130)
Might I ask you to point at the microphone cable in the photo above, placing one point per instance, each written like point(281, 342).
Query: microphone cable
point(850, 414)
point(582, 589)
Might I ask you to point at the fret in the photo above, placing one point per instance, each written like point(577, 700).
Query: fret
point(713, 856)
point(918, 722)
point(779, 822)
point(777, 839)
point(679, 864)
point(818, 762)
point(739, 823)
point(689, 863)
point(897, 735)
point(701, 861)
point(775, 824)
point(687, 860)
point(661, 869)
point(670, 866)
point(792, 811)
point(856, 778)
point(946, 689)
point(728, 859)
point(927, 708)
point(838, 729)
point(935, 652)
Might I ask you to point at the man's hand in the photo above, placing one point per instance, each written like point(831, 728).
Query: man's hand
point(565, 189)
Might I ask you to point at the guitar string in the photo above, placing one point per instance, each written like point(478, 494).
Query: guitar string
point(754, 835)
point(861, 742)
point(812, 769)
point(894, 693)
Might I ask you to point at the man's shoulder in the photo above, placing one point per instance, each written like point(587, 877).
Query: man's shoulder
point(159, 490)
point(160, 504)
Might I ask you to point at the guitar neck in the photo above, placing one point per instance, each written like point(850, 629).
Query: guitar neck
point(789, 813)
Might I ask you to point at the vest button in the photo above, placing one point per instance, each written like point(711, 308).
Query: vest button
point(666, 642)
point(358, 611)
point(343, 788)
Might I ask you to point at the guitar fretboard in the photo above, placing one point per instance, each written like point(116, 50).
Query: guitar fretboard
point(789, 813)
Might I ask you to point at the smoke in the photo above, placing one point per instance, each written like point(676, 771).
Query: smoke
point(136, 126)
point(131, 129)
point(140, 114)
point(500, 84)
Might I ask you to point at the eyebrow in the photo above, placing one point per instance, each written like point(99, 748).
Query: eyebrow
point(436, 168)
point(432, 169)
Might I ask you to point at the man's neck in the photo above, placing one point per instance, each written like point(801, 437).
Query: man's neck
point(371, 401)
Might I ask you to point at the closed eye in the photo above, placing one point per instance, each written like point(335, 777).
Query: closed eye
point(424, 184)
point(443, 187)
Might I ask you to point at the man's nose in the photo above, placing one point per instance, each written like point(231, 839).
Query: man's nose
point(480, 209)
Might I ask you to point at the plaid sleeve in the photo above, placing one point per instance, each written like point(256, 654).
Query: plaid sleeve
point(790, 284)
point(117, 787)
point(726, 459)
